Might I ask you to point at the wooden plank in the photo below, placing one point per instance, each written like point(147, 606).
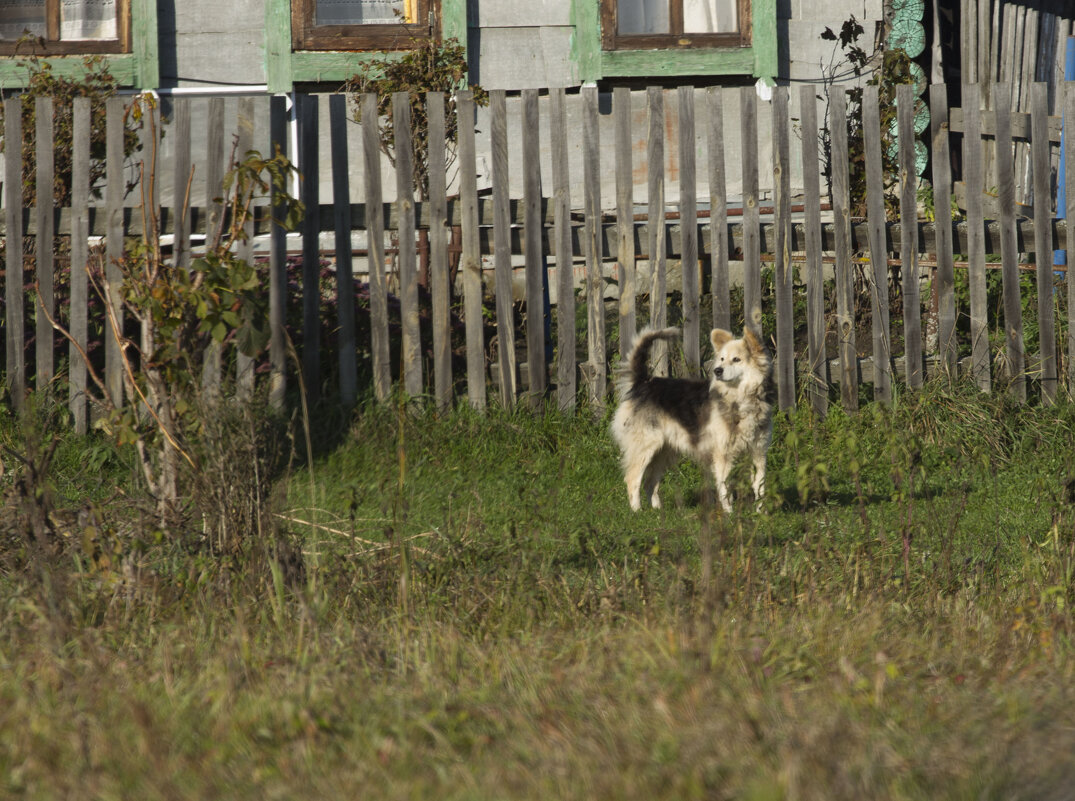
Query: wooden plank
point(114, 186)
point(751, 220)
point(214, 169)
point(181, 179)
point(307, 112)
point(818, 381)
point(533, 251)
point(609, 229)
point(658, 311)
point(505, 328)
point(688, 221)
point(345, 279)
point(277, 268)
point(782, 278)
point(875, 202)
point(244, 141)
point(470, 258)
point(45, 272)
point(625, 243)
point(841, 208)
point(595, 280)
point(947, 347)
point(912, 306)
point(1069, 178)
point(973, 174)
point(410, 344)
point(1040, 157)
point(718, 211)
point(14, 310)
point(1019, 124)
point(438, 252)
point(379, 342)
point(1013, 308)
point(79, 302)
point(149, 136)
point(214, 177)
point(566, 343)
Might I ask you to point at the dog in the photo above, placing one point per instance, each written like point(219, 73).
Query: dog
point(715, 421)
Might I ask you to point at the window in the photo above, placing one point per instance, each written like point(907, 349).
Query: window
point(360, 24)
point(61, 27)
point(651, 24)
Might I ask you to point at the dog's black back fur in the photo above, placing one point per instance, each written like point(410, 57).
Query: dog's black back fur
point(684, 399)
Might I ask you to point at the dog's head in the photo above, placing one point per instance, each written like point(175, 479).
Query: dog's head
point(736, 358)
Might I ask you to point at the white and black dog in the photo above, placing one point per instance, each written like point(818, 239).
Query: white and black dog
point(713, 422)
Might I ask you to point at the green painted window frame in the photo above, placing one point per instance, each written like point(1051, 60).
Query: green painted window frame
point(285, 67)
point(139, 69)
point(759, 60)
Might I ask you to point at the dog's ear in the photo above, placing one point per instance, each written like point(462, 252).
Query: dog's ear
point(719, 337)
point(754, 345)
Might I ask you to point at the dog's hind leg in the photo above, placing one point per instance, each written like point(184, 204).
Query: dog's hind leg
point(759, 476)
point(635, 461)
point(660, 464)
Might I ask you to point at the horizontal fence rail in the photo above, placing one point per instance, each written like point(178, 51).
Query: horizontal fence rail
point(458, 290)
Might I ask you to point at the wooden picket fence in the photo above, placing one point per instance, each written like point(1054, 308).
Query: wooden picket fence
point(551, 234)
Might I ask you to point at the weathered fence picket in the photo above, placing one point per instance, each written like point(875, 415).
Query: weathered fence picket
point(942, 208)
point(44, 268)
point(406, 256)
point(379, 337)
point(914, 366)
point(597, 353)
point(543, 240)
point(244, 142)
point(505, 326)
point(1069, 159)
point(1043, 244)
point(470, 258)
point(748, 111)
point(875, 214)
point(114, 247)
point(688, 226)
point(534, 257)
point(817, 364)
point(78, 318)
point(278, 270)
point(438, 252)
point(625, 212)
point(782, 277)
point(566, 343)
point(973, 169)
point(718, 212)
point(307, 112)
point(1009, 258)
point(181, 182)
point(656, 233)
point(841, 211)
point(345, 281)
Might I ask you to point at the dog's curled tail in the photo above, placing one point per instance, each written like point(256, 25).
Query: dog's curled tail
point(639, 361)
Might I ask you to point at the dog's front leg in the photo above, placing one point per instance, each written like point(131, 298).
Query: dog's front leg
point(722, 468)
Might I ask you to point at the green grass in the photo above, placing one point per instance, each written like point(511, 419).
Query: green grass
point(476, 614)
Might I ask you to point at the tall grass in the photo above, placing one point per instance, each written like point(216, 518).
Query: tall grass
point(471, 611)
